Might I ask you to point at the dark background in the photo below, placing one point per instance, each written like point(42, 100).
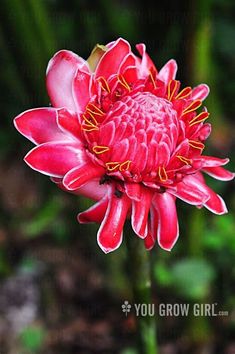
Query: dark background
point(59, 294)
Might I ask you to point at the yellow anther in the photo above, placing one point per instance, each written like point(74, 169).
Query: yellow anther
point(184, 93)
point(91, 121)
point(123, 82)
point(184, 159)
point(172, 86)
point(96, 110)
point(199, 118)
point(162, 174)
point(112, 166)
point(89, 128)
point(104, 84)
point(125, 166)
point(152, 79)
point(100, 149)
point(192, 107)
point(196, 144)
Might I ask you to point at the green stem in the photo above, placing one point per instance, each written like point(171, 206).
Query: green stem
point(140, 276)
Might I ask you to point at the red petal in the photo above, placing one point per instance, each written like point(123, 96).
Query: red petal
point(60, 73)
point(140, 212)
point(219, 173)
point(133, 190)
point(81, 89)
point(146, 63)
point(80, 175)
point(55, 158)
point(112, 59)
point(168, 71)
point(69, 123)
point(110, 233)
point(150, 239)
point(168, 230)
point(200, 92)
point(39, 125)
point(190, 192)
point(95, 213)
point(210, 161)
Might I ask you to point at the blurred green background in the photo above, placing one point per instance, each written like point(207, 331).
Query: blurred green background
point(58, 292)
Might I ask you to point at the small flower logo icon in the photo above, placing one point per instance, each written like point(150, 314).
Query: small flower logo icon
point(126, 307)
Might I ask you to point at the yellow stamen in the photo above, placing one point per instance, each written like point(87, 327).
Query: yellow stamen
point(125, 166)
point(123, 82)
point(100, 149)
point(172, 86)
point(89, 128)
point(152, 79)
point(192, 107)
point(184, 160)
point(196, 144)
point(91, 120)
point(162, 174)
point(96, 110)
point(199, 118)
point(111, 166)
point(184, 93)
point(104, 84)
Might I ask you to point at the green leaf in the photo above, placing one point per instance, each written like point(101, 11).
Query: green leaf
point(32, 338)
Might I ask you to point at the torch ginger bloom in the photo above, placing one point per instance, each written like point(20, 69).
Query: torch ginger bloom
point(128, 136)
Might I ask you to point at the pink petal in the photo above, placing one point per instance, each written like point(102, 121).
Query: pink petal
point(82, 174)
point(110, 233)
point(112, 59)
point(133, 190)
point(219, 173)
point(68, 122)
point(95, 213)
point(81, 89)
point(60, 74)
point(168, 229)
point(39, 125)
point(146, 63)
point(150, 239)
point(215, 203)
point(168, 71)
point(140, 212)
point(92, 189)
point(210, 161)
point(54, 158)
point(190, 192)
point(200, 92)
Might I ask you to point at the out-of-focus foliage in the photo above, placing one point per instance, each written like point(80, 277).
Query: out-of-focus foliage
point(43, 250)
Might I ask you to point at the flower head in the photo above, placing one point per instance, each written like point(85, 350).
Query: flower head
point(127, 136)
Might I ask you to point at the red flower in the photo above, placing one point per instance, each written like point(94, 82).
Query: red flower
point(128, 136)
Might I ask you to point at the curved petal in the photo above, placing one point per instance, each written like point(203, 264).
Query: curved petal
point(219, 173)
point(200, 92)
point(109, 236)
point(111, 60)
point(214, 203)
point(80, 175)
point(146, 62)
point(68, 122)
point(95, 213)
point(39, 125)
point(150, 239)
point(189, 191)
point(60, 73)
point(81, 89)
point(133, 190)
point(140, 212)
point(210, 161)
point(168, 229)
point(168, 71)
point(55, 158)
